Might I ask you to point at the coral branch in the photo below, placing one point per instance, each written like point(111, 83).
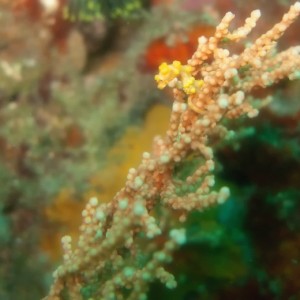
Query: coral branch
point(140, 220)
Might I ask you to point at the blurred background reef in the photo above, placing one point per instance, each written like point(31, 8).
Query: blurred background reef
point(79, 105)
